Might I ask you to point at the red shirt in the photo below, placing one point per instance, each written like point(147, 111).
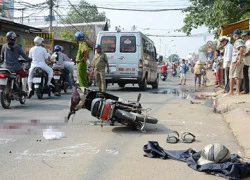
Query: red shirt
point(163, 68)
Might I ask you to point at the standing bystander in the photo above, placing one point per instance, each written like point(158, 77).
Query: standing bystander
point(236, 68)
point(197, 72)
point(227, 58)
point(183, 72)
point(99, 62)
point(245, 83)
point(217, 60)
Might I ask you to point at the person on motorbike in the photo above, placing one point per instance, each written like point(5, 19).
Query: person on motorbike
point(39, 55)
point(164, 67)
point(10, 54)
point(59, 58)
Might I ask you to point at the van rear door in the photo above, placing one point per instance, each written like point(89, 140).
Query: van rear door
point(109, 45)
point(127, 63)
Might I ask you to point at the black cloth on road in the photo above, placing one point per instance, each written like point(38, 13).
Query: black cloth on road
point(232, 170)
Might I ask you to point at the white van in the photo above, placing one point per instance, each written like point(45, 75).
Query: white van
point(132, 58)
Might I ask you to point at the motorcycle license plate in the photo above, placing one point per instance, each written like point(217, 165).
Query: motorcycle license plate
point(36, 86)
point(37, 80)
point(3, 81)
point(162, 77)
point(56, 77)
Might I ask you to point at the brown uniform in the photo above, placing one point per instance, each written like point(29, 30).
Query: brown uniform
point(99, 62)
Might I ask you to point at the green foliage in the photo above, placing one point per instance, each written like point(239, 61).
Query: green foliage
point(214, 13)
point(84, 13)
point(68, 36)
point(173, 58)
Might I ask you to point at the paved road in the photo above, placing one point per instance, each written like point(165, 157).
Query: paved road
point(90, 151)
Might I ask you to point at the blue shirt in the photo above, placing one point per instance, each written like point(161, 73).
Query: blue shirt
point(183, 68)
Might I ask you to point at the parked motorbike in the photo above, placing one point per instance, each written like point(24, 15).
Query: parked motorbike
point(107, 107)
point(40, 79)
point(10, 88)
point(60, 79)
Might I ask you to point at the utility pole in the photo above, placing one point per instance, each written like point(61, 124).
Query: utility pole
point(22, 16)
point(50, 14)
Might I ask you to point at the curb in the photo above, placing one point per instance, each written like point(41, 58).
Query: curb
point(239, 122)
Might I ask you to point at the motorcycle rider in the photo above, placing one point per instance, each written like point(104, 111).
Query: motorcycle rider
point(9, 57)
point(60, 59)
point(39, 55)
point(164, 68)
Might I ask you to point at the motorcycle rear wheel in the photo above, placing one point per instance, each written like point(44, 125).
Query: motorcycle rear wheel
point(58, 88)
point(133, 117)
point(5, 98)
point(39, 93)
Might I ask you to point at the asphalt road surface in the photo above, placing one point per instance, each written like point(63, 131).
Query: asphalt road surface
point(89, 151)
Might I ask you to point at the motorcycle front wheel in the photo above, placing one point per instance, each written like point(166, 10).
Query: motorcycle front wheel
point(5, 98)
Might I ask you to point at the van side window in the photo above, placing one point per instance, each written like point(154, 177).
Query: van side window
point(128, 44)
point(108, 44)
point(148, 49)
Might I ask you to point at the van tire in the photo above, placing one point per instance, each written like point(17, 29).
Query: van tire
point(143, 84)
point(156, 83)
point(121, 85)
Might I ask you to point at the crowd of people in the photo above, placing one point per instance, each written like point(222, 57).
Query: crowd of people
point(232, 62)
point(39, 57)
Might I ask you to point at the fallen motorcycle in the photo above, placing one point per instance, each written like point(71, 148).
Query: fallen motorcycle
point(107, 107)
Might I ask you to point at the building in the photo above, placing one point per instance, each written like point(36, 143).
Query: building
point(25, 34)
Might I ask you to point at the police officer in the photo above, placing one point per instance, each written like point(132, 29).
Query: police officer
point(99, 62)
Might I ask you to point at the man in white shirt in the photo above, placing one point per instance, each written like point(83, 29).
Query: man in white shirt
point(245, 84)
point(227, 58)
point(39, 56)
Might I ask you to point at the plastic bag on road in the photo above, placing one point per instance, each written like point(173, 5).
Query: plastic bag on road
point(49, 134)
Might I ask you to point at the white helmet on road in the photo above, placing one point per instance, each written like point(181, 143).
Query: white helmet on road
point(38, 41)
point(214, 153)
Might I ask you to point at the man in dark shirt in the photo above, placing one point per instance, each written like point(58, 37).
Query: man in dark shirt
point(10, 54)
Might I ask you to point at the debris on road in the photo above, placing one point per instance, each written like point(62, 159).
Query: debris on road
point(49, 134)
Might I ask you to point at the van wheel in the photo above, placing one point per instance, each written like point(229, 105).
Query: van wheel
point(121, 85)
point(156, 83)
point(143, 84)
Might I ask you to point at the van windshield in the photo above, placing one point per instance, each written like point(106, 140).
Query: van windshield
point(108, 44)
point(128, 44)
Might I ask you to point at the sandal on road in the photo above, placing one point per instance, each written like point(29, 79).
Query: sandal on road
point(173, 137)
point(187, 137)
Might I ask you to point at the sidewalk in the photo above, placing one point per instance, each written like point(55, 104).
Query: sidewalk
point(236, 112)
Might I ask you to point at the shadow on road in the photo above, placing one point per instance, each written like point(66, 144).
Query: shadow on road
point(150, 129)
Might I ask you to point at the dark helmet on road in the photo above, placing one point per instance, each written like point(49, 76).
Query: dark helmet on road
point(98, 46)
point(214, 153)
point(79, 36)
point(11, 36)
point(57, 48)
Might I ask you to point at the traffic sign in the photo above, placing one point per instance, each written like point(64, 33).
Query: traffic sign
point(209, 43)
